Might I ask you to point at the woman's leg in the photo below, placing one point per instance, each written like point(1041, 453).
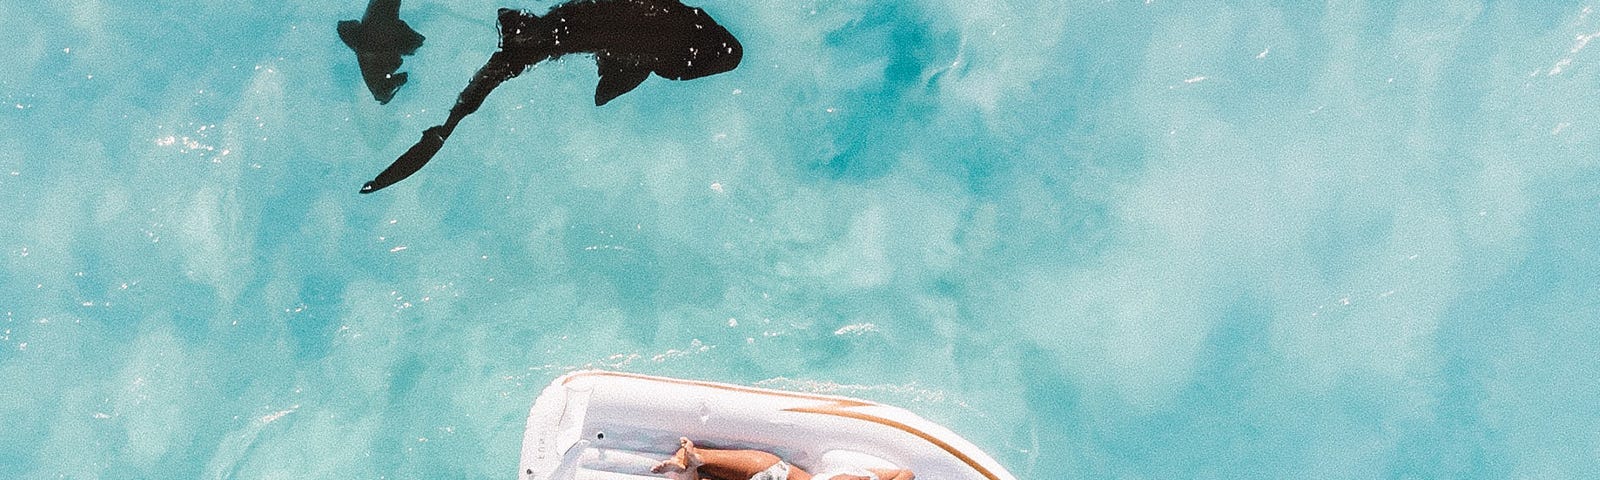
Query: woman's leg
point(896, 474)
point(724, 464)
point(687, 461)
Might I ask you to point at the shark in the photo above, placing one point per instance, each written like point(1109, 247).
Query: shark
point(629, 39)
point(379, 39)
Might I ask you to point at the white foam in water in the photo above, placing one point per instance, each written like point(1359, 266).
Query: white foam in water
point(1099, 239)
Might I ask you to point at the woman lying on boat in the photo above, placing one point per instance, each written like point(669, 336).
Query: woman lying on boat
point(691, 462)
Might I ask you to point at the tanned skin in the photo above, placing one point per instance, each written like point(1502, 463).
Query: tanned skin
point(693, 463)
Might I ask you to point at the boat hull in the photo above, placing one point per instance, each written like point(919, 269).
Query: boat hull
point(596, 425)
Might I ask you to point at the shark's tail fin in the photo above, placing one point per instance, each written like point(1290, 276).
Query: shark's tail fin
point(413, 160)
point(502, 66)
point(383, 89)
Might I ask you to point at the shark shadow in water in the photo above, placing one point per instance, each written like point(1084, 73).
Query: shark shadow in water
point(379, 39)
point(630, 39)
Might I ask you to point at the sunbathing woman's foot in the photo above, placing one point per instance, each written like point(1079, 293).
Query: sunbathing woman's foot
point(687, 459)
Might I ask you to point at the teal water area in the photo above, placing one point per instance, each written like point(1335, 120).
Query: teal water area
point(1101, 239)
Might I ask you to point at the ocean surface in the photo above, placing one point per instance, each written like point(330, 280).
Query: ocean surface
point(1102, 239)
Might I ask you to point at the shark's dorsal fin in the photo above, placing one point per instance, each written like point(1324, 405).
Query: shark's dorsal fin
point(618, 75)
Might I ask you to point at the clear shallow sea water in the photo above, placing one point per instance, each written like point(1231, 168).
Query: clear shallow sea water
point(1101, 239)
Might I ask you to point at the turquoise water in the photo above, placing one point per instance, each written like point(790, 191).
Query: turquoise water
point(1101, 239)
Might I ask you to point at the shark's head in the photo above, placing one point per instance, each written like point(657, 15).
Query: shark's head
point(708, 49)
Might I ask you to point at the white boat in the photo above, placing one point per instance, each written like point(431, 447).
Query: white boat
point(597, 425)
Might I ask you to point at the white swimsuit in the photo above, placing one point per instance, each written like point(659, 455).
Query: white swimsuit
point(778, 471)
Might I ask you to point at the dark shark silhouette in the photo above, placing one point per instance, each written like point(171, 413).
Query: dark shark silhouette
point(379, 39)
point(629, 40)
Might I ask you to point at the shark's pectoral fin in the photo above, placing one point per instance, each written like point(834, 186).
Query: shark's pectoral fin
point(617, 76)
point(349, 31)
point(410, 40)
